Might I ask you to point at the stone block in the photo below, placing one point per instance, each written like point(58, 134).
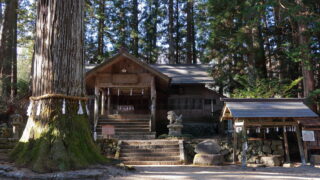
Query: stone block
point(315, 159)
point(266, 149)
point(208, 147)
point(208, 159)
point(288, 165)
point(270, 161)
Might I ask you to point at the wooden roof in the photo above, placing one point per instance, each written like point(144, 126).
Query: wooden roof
point(186, 73)
point(92, 69)
point(266, 108)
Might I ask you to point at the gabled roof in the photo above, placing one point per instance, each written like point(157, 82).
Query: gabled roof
point(266, 108)
point(186, 73)
point(91, 69)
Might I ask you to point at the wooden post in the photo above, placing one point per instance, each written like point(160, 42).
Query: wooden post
point(103, 102)
point(286, 146)
point(298, 133)
point(244, 146)
point(235, 144)
point(153, 104)
point(109, 105)
point(305, 148)
point(96, 112)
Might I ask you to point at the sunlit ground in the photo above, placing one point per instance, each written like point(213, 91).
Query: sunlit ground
point(221, 172)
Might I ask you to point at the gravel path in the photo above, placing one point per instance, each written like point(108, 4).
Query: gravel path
point(220, 172)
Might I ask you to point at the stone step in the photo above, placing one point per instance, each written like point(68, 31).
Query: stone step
point(168, 150)
point(6, 140)
point(123, 123)
point(5, 150)
point(124, 120)
point(125, 116)
point(149, 146)
point(150, 158)
point(137, 137)
point(152, 162)
point(154, 142)
point(120, 130)
point(152, 154)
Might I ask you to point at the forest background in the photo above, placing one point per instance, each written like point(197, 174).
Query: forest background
point(258, 48)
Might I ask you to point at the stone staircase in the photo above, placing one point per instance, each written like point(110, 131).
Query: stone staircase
point(6, 145)
point(151, 152)
point(131, 126)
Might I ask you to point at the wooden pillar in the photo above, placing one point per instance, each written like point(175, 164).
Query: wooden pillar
point(298, 133)
point(235, 145)
point(103, 102)
point(96, 112)
point(153, 104)
point(286, 146)
point(109, 104)
point(305, 148)
point(244, 146)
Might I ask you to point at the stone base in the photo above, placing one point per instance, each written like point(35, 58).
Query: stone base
point(315, 159)
point(270, 161)
point(175, 129)
point(208, 159)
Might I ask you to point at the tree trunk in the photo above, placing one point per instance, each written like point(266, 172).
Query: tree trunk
point(8, 49)
point(189, 32)
point(170, 33)
point(307, 65)
point(53, 140)
point(177, 29)
point(135, 30)
point(1, 16)
point(101, 26)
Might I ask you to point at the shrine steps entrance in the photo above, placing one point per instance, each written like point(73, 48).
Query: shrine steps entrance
point(127, 126)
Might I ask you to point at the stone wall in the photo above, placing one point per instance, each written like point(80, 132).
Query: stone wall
point(256, 149)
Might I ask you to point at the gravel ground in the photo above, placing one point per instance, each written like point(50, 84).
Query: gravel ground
point(230, 172)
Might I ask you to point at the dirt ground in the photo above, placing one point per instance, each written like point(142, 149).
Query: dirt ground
point(230, 172)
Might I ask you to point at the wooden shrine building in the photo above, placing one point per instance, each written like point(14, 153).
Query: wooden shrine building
point(130, 99)
point(266, 114)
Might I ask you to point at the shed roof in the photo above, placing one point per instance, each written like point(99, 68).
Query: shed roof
point(186, 73)
point(267, 108)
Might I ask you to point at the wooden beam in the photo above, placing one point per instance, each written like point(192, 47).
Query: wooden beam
point(96, 112)
point(103, 102)
point(292, 123)
point(286, 146)
point(244, 147)
point(109, 104)
point(298, 133)
point(235, 145)
point(153, 104)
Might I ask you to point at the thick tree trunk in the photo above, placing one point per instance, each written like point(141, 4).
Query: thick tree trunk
point(170, 33)
point(307, 64)
point(53, 140)
point(8, 49)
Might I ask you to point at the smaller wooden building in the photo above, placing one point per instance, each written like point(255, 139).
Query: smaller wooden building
point(263, 115)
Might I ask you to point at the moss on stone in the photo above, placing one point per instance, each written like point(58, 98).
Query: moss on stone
point(56, 141)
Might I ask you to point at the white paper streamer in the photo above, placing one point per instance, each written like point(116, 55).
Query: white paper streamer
point(29, 110)
point(130, 92)
point(258, 130)
point(38, 109)
point(294, 128)
point(248, 131)
point(267, 130)
point(108, 91)
point(80, 110)
point(285, 129)
point(142, 92)
point(118, 92)
point(277, 129)
point(64, 107)
point(87, 109)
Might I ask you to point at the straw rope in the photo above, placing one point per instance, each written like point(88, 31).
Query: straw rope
point(62, 96)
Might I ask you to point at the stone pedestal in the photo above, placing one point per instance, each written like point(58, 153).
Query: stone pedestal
point(175, 129)
point(315, 159)
point(271, 161)
point(208, 159)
